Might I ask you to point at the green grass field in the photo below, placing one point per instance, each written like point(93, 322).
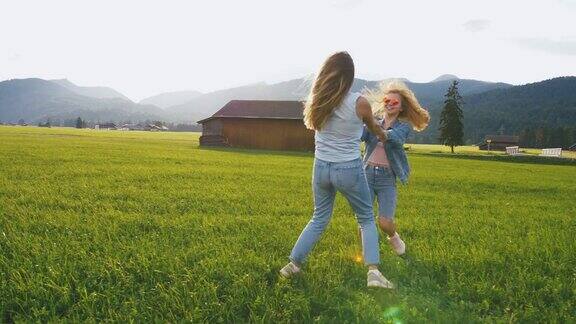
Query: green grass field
point(136, 226)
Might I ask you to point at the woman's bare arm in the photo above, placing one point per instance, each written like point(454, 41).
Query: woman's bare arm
point(364, 112)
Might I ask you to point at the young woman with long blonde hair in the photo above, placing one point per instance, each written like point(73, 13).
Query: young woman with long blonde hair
point(398, 111)
point(338, 116)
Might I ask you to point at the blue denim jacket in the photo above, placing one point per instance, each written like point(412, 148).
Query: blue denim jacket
point(397, 135)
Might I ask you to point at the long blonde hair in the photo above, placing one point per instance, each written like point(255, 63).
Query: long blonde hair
point(331, 85)
point(411, 112)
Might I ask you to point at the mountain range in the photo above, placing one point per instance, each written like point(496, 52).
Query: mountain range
point(37, 100)
point(489, 107)
point(207, 104)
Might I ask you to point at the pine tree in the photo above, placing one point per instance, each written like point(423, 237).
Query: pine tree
point(540, 137)
point(451, 127)
point(79, 123)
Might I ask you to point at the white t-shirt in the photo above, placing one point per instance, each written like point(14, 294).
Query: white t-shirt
point(339, 138)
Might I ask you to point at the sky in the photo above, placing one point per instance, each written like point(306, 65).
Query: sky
point(143, 48)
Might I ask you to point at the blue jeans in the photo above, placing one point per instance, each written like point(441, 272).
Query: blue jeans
point(349, 179)
point(382, 183)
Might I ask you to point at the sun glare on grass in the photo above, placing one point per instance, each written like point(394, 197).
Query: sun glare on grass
point(392, 314)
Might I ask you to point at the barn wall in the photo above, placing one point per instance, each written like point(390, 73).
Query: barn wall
point(273, 134)
point(212, 127)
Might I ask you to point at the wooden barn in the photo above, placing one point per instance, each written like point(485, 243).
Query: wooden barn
point(258, 124)
point(499, 142)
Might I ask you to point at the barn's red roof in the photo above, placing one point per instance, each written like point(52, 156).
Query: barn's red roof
point(269, 109)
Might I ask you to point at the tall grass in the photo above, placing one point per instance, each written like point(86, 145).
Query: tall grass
point(136, 226)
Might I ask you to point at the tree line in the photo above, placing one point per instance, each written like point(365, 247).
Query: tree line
point(541, 114)
point(543, 137)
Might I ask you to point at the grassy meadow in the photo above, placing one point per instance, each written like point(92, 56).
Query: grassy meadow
point(138, 226)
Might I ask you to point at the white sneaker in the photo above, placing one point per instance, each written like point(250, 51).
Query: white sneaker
point(376, 279)
point(289, 270)
point(397, 244)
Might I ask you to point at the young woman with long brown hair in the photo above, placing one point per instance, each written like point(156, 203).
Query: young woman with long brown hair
point(338, 116)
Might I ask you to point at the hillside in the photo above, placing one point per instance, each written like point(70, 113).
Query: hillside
point(35, 100)
point(168, 99)
point(94, 92)
point(548, 107)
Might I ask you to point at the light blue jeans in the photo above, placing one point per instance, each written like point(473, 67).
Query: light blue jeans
point(349, 179)
point(382, 183)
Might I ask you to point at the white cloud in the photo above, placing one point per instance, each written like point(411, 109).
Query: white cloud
point(476, 25)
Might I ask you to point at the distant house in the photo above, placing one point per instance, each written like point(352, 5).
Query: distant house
point(154, 128)
point(572, 148)
point(143, 127)
point(499, 142)
point(106, 126)
point(259, 124)
point(151, 128)
point(130, 127)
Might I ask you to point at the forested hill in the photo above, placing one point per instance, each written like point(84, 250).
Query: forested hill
point(542, 113)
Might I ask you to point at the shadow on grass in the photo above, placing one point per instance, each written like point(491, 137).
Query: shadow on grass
point(257, 151)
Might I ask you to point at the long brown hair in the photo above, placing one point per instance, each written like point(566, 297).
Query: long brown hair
point(329, 89)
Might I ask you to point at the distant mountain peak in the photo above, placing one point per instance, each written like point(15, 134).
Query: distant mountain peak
point(446, 77)
point(65, 83)
point(94, 92)
point(405, 80)
point(167, 99)
point(63, 80)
